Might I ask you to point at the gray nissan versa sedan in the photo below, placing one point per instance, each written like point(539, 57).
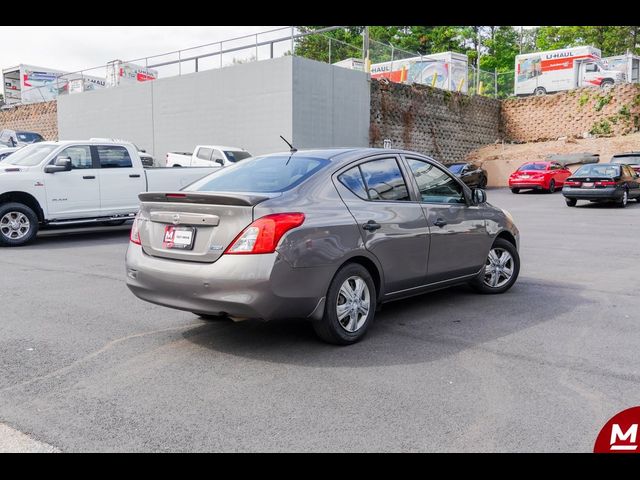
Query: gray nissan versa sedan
point(325, 235)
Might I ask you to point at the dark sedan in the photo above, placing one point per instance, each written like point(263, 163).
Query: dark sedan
point(470, 173)
point(630, 158)
point(602, 182)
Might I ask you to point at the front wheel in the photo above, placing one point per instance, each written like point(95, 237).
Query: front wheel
point(606, 84)
point(571, 202)
point(624, 200)
point(552, 186)
point(18, 225)
point(540, 91)
point(349, 308)
point(501, 268)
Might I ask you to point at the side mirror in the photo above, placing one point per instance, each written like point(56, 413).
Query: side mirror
point(143, 150)
point(479, 196)
point(219, 161)
point(61, 164)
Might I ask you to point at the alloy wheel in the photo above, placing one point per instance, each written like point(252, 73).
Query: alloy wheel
point(353, 304)
point(499, 268)
point(14, 225)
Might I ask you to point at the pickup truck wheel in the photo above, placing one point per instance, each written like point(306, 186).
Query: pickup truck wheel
point(18, 225)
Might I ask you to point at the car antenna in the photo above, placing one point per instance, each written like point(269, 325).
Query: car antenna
point(292, 149)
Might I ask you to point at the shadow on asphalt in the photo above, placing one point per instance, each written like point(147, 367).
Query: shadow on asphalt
point(60, 239)
point(416, 330)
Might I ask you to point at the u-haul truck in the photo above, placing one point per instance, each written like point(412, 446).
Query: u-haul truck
point(557, 70)
point(627, 63)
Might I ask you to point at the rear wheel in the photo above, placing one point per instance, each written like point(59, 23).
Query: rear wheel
point(501, 268)
point(18, 225)
point(624, 200)
point(571, 202)
point(515, 190)
point(540, 91)
point(349, 308)
point(552, 186)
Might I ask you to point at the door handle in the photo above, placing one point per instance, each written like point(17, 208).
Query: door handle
point(134, 176)
point(440, 222)
point(89, 177)
point(371, 226)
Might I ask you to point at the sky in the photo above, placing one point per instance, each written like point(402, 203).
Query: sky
point(72, 48)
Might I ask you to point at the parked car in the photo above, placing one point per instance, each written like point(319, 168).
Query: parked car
point(207, 156)
point(20, 138)
point(5, 152)
point(69, 183)
point(630, 158)
point(470, 173)
point(602, 182)
point(547, 176)
point(147, 160)
point(325, 235)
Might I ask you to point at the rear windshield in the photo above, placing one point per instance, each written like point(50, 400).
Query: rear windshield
point(260, 175)
point(236, 155)
point(29, 137)
point(456, 168)
point(598, 170)
point(533, 166)
point(30, 155)
point(629, 160)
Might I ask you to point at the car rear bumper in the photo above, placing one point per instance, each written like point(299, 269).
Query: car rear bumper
point(606, 193)
point(241, 286)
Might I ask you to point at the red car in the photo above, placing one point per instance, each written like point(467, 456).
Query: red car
point(548, 176)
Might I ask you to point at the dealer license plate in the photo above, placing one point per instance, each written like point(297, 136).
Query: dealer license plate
point(178, 237)
point(587, 184)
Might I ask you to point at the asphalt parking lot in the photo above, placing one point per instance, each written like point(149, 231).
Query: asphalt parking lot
point(86, 366)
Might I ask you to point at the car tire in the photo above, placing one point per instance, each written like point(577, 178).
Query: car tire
point(606, 84)
point(624, 200)
point(483, 183)
point(571, 202)
point(515, 190)
point(485, 281)
point(211, 318)
point(13, 215)
point(353, 326)
point(540, 91)
point(552, 186)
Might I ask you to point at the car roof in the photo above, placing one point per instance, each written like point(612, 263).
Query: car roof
point(627, 154)
point(345, 155)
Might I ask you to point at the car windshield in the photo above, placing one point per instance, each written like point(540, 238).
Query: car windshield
point(236, 155)
point(533, 166)
point(30, 155)
point(456, 167)
point(260, 175)
point(29, 137)
point(629, 160)
point(598, 170)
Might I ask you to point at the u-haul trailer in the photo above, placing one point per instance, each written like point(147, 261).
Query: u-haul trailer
point(629, 64)
point(447, 70)
point(558, 70)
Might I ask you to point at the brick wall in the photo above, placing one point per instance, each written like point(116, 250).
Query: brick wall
point(576, 113)
point(438, 123)
point(36, 117)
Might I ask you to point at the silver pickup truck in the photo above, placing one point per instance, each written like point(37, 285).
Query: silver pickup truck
point(77, 182)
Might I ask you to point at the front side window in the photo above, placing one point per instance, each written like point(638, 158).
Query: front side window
point(204, 153)
point(80, 156)
point(384, 180)
point(113, 156)
point(435, 185)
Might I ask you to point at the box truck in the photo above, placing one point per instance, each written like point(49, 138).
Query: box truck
point(628, 64)
point(558, 70)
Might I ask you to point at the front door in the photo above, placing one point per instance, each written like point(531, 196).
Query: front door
point(75, 193)
point(459, 239)
point(392, 226)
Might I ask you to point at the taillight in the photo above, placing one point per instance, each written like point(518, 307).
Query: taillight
point(605, 183)
point(571, 183)
point(263, 235)
point(135, 232)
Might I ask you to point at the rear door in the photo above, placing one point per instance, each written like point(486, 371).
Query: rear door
point(392, 224)
point(76, 193)
point(120, 181)
point(459, 239)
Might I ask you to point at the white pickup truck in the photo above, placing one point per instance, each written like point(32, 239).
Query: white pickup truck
point(77, 182)
point(207, 156)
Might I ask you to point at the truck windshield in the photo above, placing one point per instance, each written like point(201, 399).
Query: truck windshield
point(260, 175)
point(30, 155)
point(29, 137)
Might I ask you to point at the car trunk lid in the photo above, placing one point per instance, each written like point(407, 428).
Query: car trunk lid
point(194, 226)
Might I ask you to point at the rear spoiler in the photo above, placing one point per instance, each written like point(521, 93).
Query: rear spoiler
point(203, 198)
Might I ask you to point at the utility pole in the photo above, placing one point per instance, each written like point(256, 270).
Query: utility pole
point(365, 49)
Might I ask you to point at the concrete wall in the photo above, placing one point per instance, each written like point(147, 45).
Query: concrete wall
point(438, 123)
point(576, 113)
point(249, 105)
point(36, 117)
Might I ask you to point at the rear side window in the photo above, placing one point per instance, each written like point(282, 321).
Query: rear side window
point(352, 179)
point(384, 180)
point(236, 156)
point(269, 174)
point(204, 153)
point(113, 156)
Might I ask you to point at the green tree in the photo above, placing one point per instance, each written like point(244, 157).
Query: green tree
point(611, 40)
